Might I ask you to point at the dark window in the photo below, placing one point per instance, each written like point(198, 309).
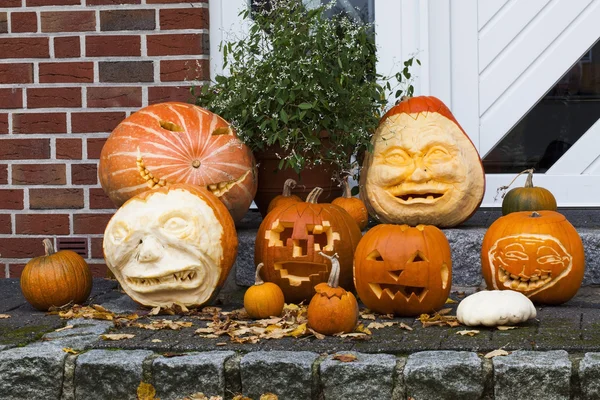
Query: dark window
point(356, 9)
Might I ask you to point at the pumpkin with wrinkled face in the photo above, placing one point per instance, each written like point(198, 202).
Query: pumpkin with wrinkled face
point(539, 254)
point(423, 168)
point(175, 244)
point(403, 270)
point(290, 238)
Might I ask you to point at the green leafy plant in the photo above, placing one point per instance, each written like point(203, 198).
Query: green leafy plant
point(304, 82)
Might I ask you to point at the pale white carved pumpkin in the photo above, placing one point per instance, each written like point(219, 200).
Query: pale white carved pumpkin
point(495, 307)
point(173, 245)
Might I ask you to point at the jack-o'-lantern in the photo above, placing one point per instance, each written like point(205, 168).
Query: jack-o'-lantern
point(290, 238)
point(423, 168)
point(172, 245)
point(403, 270)
point(174, 142)
point(539, 254)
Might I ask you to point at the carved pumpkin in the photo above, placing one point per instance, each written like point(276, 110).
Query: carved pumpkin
point(332, 309)
point(178, 143)
point(539, 254)
point(528, 198)
point(263, 299)
point(290, 239)
point(175, 244)
point(354, 206)
point(286, 197)
point(56, 279)
point(403, 270)
point(423, 168)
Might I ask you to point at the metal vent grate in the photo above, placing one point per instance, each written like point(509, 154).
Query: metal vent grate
point(78, 245)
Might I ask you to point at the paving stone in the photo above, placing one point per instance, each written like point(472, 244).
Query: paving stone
point(532, 375)
point(244, 267)
point(370, 376)
point(287, 374)
point(589, 370)
point(109, 375)
point(31, 372)
point(177, 377)
point(81, 327)
point(432, 375)
point(479, 342)
point(466, 255)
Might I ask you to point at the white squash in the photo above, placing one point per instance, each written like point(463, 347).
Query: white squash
point(495, 307)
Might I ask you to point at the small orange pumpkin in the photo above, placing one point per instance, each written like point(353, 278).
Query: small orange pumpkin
point(332, 309)
point(263, 299)
point(353, 205)
point(56, 279)
point(286, 197)
point(528, 198)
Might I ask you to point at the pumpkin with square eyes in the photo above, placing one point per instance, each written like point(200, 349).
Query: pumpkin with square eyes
point(423, 168)
point(403, 270)
point(290, 239)
point(539, 254)
point(172, 245)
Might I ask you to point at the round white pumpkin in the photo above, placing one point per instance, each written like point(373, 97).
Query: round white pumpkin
point(495, 307)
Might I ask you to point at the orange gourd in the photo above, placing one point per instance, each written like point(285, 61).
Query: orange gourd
point(286, 197)
point(353, 205)
point(56, 279)
point(263, 299)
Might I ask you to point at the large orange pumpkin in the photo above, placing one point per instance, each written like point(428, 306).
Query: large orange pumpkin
point(171, 245)
point(423, 168)
point(403, 270)
point(290, 238)
point(178, 143)
point(539, 254)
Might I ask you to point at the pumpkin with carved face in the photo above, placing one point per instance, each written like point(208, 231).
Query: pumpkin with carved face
point(539, 254)
point(290, 239)
point(403, 270)
point(172, 245)
point(423, 168)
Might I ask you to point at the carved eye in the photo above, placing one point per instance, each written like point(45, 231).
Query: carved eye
point(397, 157)
point(516, 255)
point(550, 260)
point(120, 232)
point(176, 225)
point(438, 154)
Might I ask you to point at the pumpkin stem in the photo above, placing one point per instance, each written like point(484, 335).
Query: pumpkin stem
point(334, 275)
point(535, 214)
point(257, 279)
point(288, 185)
point(48, 247)
point(404, 98)
point(347, 191)
point(528, 182)
point(314, 194)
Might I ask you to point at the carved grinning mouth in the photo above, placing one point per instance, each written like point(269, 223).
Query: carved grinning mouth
point(419, 197)
point(523, 283)
point(392, 291)
point(186, 279)
point(290, 270)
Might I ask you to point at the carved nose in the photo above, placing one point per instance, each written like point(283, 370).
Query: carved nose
point(150, 249)
point(420, 174)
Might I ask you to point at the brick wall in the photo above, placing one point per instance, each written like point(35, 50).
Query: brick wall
point(70, 71)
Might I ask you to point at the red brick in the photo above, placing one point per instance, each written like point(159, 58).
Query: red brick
point(42, 224)
point(3, 174)
point(160, 94)
point(112, 45)
point(39, 174)
point(16, 73)
point(127, 20)
point(96, 248)
point(66, 47)
point(111, 2)
point(15, 270)
point(11, 98)
point(183, 18)
point(54, 97)
point(23, 22)
point(67, 72)
point(126, 71)
point(84, 174)
point(68, 149)
point(94, 147)
point(99, 270)
point(24, 149)
point(174, 45)
point(5, 224)
point(68, 21)
point(184, 70)
point(40, 123)
point(99, 199)
point(106, 97)
point(3, 123)
point(3, 22)
point(24, 47)
point(10, 3)
point(48, 199)
point(21, 247)
point(90, 223)
point(36, 3)
point(11, 199)
point(88, 122)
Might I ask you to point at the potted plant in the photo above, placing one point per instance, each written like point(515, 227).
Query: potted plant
point(301, 90)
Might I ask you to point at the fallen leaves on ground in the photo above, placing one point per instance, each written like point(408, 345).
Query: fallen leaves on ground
point(94, 311)
point(69, 350)
point(117, 336)
point(505, 328)
point(439, 318)
point(163, 324)
point(496, 353)
point(146, 391)
point(345, 357)
point(451, 301)
point(4, 316)
point(468, 332)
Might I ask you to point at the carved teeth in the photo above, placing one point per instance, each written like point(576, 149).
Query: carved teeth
point(513, 281)
point(181, 276)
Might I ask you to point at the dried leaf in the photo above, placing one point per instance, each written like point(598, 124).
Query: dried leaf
point(4, 316)
point(450, 301)
point(117, 336)
point(379, 325)
point(299, 331)
point(269, 396)
point(354, 335)
point(468, 332)
point(146, 391)
point(345, 357)
point(404, 326)
point(64, 328)
point(318, 335)
point(505, 328)
point(154, 311)
point(156, 341)
point(241, 397)
point(368, 316)
point(361, 329)
point(69, 350)
point(496, 353)
point(221, 344)
point(444, 311)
